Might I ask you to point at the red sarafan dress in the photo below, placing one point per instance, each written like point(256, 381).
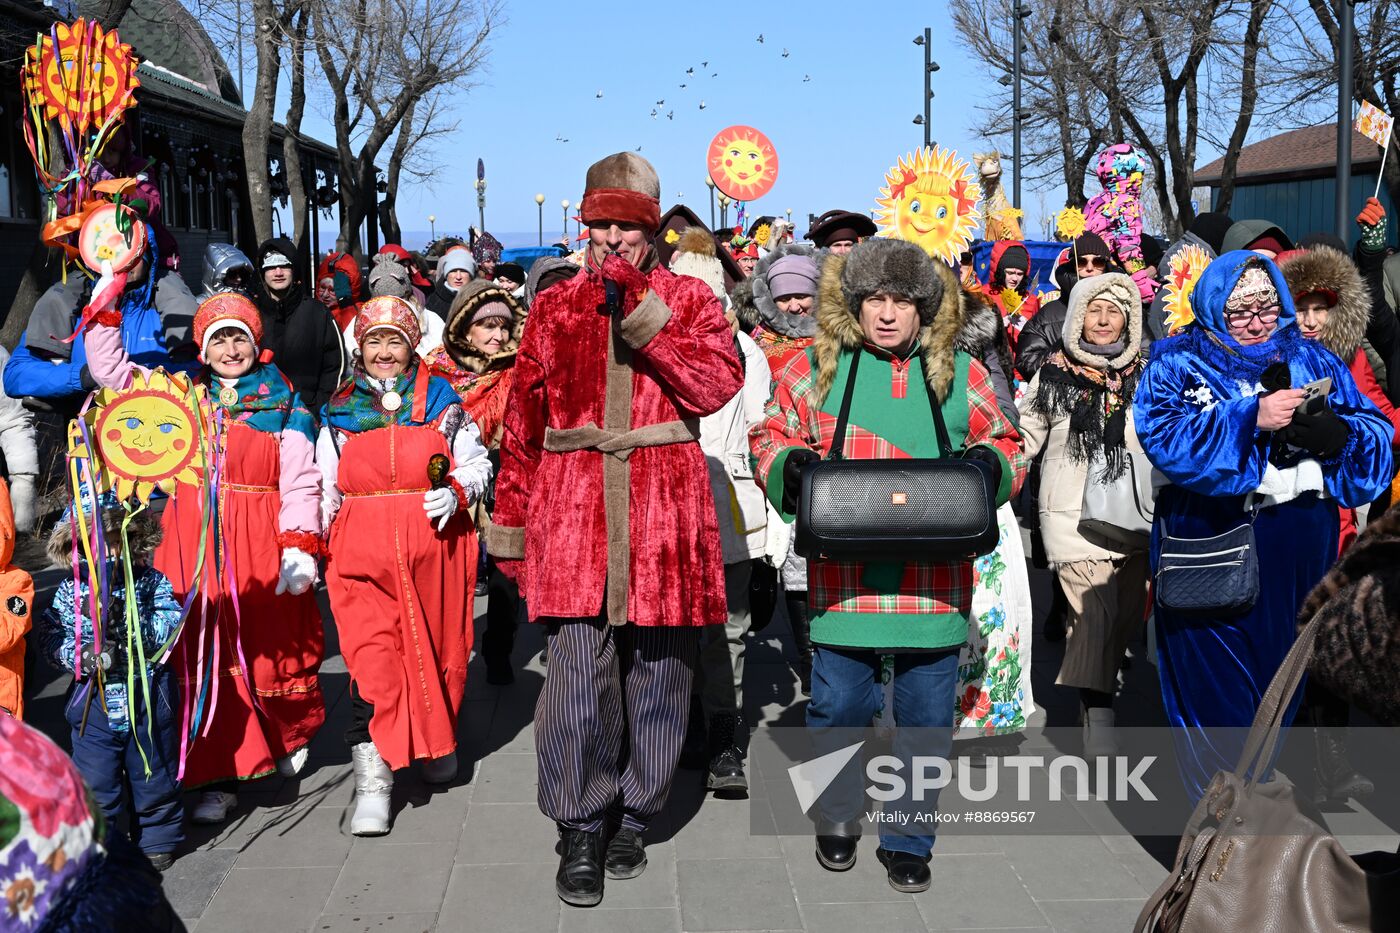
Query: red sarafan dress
point(400, 590)
point(281, 636)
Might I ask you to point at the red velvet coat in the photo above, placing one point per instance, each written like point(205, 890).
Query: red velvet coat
point(550, 505)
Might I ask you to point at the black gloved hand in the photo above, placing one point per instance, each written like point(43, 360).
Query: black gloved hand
point(792, 476)
point(987, 456)
point(1321, 433)
point(1275, 377)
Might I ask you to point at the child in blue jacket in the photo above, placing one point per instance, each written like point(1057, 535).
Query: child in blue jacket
point(123, 740)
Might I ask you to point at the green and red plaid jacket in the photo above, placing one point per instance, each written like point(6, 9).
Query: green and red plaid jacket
point(878, 604)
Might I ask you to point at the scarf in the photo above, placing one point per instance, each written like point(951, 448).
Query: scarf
point(1096, 401)
point(1107, 351)
point(265, 402)
point(358, 406)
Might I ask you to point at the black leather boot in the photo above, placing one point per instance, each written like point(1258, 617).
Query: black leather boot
point(726, 769)
point(836, 844)
point(579, 880)
point(627, 857)
point(907, 872)
point(802, 638)
point(1337, 780)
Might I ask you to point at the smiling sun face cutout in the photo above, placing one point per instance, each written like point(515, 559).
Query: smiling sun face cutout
point(743, 163)
point(81, 74)
point(148, 436)
point(930, 198)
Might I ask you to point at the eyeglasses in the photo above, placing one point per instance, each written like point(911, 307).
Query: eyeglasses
point(1266, 313)
point(1093, 262)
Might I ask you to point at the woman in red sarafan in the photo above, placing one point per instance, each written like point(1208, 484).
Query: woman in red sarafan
point(399, 459)
point(254, 624)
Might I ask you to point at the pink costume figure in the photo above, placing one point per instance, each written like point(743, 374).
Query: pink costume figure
point(1116, 212)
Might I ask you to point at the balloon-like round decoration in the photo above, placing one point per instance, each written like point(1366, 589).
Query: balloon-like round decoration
point(111, 233)
point(743, 163)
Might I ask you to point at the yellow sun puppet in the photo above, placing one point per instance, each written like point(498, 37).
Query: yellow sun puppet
point(930, 198)
point(1185, 269)
point(743, 163)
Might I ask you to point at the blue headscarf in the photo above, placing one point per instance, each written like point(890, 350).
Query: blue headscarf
point(1209, 334)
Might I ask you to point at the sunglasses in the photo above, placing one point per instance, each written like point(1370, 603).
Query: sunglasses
point(1093, 262)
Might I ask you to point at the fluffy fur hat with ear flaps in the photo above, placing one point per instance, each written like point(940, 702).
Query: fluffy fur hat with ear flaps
point(1323, 269)
point(470, 298)
point(143, 534)
point(933, 286)
point(697, 255)
point(1122, 291)
point(753, 299)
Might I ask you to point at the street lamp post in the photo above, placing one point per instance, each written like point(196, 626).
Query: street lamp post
point(789, 223)
point(565, 205)
point(481, 193)
point(539, 202)
point(1347, 14)
point(724, 210)
point(1018, 13)
point(710, 183)
point(925, 119)
point(432, 225)
point(578, 222)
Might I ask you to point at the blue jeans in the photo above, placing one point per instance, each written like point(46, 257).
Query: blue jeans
point(845, 695)
point(111, 764)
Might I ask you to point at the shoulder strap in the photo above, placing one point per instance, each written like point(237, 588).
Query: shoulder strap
point(838, 440)
point(945, 445)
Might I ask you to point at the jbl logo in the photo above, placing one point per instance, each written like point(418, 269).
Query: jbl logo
point(899, 498)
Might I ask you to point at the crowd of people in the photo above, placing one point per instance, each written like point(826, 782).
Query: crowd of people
point(613, 444)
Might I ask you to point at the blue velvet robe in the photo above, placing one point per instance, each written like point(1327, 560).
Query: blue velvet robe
point(1195, 412)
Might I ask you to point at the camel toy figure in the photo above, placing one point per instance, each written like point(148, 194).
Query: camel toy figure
point(1003, 220)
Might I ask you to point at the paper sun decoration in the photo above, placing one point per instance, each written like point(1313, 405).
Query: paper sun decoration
point(1185, 269)
point(80, 75)
point(152, 435)
point(1069, 223)
point(743, 163)
point(930, 198)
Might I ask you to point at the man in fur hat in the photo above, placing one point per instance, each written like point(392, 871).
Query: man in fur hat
point(888, 317)
point(605, 517)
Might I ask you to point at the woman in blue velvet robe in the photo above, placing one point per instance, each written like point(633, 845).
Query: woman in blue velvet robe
point(1196, 412)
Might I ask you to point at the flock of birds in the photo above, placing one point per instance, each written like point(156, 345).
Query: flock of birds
point(670, 114)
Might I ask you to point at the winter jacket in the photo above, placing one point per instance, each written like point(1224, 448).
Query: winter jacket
point(724, 437)
point(157, 611)
point(156, 326)
point(16, 611)
point(1062, 476)
point(884, 604)
point(1014, 320)
point(301, 334)
point(585, 521)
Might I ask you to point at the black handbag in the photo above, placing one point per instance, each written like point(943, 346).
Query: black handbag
point(1215, 576)
point(931, 510)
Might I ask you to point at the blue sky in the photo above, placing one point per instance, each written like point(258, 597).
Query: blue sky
point(836, 134)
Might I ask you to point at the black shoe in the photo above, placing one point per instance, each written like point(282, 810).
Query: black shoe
point(480, 588)
point(1336, 779)
point(907, 872)
point(161, 861)
point(499, 673)
point(836, 844)
point(627, 857)
point(579, 880)
point(726, 765)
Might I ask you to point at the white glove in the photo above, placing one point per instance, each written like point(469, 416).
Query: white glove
point(778, 540)
point(298, 572)
point(440, 504)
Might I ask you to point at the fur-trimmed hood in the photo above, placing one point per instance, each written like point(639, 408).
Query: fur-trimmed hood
point(838, 328)
point(752, 300)
point(459, 321)
point(1122, 291)
point(1323, 268)
point(143, 535)
point(559, 265)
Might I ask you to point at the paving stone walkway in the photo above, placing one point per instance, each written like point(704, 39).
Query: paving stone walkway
point(477, 855)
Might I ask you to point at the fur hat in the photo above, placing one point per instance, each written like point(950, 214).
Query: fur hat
point(547, 271)
point(143, 533)
point(622, 187)
point(1323, 269)
point(894, 266)
point(1118, 288)
point(697, 255)
point(754, 302)
point(389, 277)
point(387, 312)
point(226, 309)
point(472, 299)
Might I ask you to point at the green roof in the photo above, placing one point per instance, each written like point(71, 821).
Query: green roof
point(164, 33)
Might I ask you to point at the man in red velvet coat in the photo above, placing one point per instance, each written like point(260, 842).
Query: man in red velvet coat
point(604, 515)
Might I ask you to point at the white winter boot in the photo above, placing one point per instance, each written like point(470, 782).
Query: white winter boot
point(292, 765)
point(374, 784)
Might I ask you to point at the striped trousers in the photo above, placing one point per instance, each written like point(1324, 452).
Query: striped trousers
point(610, 719)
